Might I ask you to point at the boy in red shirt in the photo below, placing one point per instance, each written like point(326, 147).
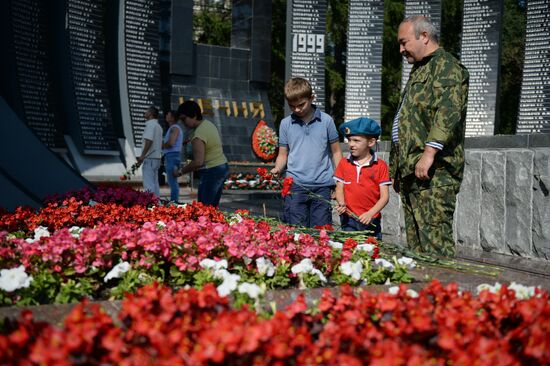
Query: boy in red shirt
point(362, 180)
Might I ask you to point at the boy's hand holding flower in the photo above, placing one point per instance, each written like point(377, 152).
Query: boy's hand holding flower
point(341, 207)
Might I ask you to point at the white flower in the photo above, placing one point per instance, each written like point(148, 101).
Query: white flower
point(39, 232)
point(221, 273)
point(335, 244)
point(246, 260)
point(75, 231)
point(352, 269)
point(319, 274)
point(522, 292)
point(296, 236)
point(181, 205)
point(251, 289)
point(394, 290)
point(252, 183)
point(212, 264)
point(13, 279)
point(369, 248)
point(492, 289)
point(117, 271)
point(229, 283)
point(384, 264)
point(412, 293)
point(235, 218)
point(265, 267)
point(407, 262)
point(242, 181)
point(161, 224)
point(305, 266)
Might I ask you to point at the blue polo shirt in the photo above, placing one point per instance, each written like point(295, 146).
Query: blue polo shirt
point(309, 156)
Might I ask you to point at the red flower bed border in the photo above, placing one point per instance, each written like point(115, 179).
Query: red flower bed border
point(441, 326)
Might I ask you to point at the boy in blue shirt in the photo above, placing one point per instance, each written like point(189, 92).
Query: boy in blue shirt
point(309, 148)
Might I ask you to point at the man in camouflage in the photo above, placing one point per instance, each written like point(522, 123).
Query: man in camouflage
point(427, 157)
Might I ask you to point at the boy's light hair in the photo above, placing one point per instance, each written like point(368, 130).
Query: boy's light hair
point(297, 88)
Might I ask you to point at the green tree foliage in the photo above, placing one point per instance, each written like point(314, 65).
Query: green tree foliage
point(335, 46)
point(212, 25)
point(511, 65)
point(391, 64)
point(451, 26)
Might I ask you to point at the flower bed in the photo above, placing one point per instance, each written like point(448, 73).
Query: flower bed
point(71, 250)
point(438, 326)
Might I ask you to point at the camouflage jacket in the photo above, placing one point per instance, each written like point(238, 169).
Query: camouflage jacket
point(434, 109)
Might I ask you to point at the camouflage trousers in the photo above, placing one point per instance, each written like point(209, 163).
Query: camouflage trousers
point(429, 216)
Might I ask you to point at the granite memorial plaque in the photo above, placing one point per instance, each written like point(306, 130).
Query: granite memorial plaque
point(480, 54)
point(29, 21)
point(85, 29)
point(428, 8)
point(534, 105)
point(141, 26)
point(364, 59)
point(305, 46)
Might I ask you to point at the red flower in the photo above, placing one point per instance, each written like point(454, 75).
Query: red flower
point(350, 244)
point(262, 172)
point(287, 185)
point(375, 253)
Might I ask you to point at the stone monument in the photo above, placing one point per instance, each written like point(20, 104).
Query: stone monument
point(364, 59)
point(480, 54)
point(305, 44)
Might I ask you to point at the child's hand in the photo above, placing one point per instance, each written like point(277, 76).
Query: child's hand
point(341, 208)
point(275, 171)
point(365, 218)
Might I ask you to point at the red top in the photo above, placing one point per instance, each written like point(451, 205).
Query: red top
point(362, 182)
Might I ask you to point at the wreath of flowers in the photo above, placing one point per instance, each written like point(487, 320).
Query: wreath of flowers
point(264, 142)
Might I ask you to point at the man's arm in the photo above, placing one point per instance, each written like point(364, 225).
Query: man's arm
point(146, 146)
point(280, 162)
point(423, 165)
point(336, 153)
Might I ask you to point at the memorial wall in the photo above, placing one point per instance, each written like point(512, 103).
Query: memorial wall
point(86, 36)
point(305, 44)
point(33, 60)
point(142, 63)
point(364, 59)
point(534, 105)
point(480, 53)
point(428, 8)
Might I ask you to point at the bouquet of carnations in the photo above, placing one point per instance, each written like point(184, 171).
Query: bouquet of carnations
point(286, 183)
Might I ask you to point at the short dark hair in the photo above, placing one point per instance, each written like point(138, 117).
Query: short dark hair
point(154, 111)
point(190, 108)
point(172, 112)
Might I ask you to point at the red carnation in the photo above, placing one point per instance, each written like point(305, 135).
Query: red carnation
point(287, 185)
